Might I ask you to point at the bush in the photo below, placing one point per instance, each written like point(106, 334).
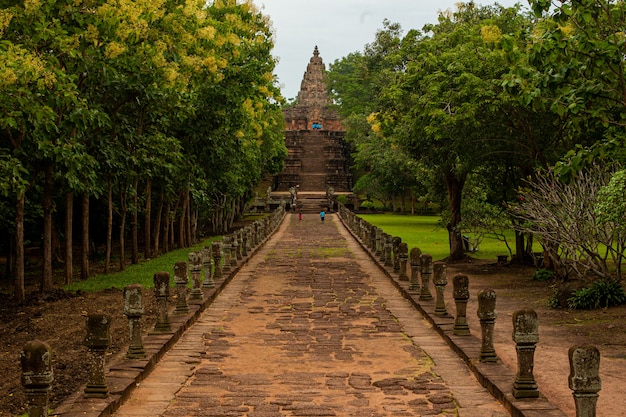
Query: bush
point(601, 293)
point(543, 275)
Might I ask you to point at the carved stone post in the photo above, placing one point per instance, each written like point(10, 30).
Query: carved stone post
point(195, 265)
point(487, 314)
point(97, 340)
point(383, 247)
point(250, 240)
point(388, 250)
point(525, 336)
point(234, 246)
point(403, 250)
point(379, 237)
point(181, 280)
point(37, 376)
point(426, 272)
point(395, 242)
point(239, 244)
point(207, 263)
point(217, 259)
point(415, 269)
point(244, 242)
point(440, 279)
point(226, 247)
point(162, 293)
point(133, 310)
point(584, 379)
point(460, 292)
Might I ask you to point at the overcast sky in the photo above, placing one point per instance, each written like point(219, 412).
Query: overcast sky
point(339, 27)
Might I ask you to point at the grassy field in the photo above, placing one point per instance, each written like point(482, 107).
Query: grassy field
point(425, 233)
point(141, 273)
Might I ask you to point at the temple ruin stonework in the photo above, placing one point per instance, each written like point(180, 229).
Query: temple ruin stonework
point(317, 153)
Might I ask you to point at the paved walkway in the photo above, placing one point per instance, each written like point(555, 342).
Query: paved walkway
point(310, 327)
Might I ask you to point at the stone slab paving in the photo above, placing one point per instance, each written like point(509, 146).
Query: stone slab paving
point(310, 327)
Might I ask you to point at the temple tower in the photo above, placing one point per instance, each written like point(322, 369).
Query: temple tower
point(317, 153)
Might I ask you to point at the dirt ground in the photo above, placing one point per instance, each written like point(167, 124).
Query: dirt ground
point(59, 319)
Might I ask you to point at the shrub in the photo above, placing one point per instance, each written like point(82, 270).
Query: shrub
point(543, 275)
point(601, 293)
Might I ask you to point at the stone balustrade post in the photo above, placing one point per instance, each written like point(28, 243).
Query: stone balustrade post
point(373, 237)
point(460, 293)
point(244, 242)
point(426, 272)
point(239, 245)
point(378, 237)
point(37, 376)
point(97, 340)
point(181, 280)
point(383, 247)
point(226, 248)
point(195, 266)
point(234, 245)
point(414, 257)
point(525, 336)
point(584, 378)
point(207, 265)
point(216, 249)
point(162, 293)
point(403, 250)
point(388, 250)
point(487, 314)
point(395, 244)
point(440, 280)
point(133, 310)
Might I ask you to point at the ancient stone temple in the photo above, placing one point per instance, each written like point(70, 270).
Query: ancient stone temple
point(318, 156)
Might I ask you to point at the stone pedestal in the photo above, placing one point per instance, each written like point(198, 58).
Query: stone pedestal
point(426, 272)
point(584, 378)
point(395, 247)
point(207, 265)
point(162, 293)
point(403, 248)
point(415, 269)
point(97, 340)
point(440, 280)
point(460, 292)
point(37, 376)
point(217, 259)
point(525, 336)
point(195, 266)
point(226, 248)
point(133, 310)
point(181, 280)
point(487, 314)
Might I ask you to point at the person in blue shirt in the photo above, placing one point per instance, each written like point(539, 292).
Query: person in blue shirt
point(322, 215)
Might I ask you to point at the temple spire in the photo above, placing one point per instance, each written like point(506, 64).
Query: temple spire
point(313, 92)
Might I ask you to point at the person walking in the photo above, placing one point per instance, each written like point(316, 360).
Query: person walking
point(322, 215)
point(300, 216)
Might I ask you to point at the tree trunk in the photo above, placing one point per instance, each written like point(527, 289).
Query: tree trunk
point(190, 236)
point(455, 192)
point(520, 248)
point(122, 230)
point(147, 229)
point(109, 246)
point(46, 276)
point(135, 223)
point(166, 228)
point(157, 226)
point(20, 291)
point(69, 239)
point(181, 221)
point(84, 269)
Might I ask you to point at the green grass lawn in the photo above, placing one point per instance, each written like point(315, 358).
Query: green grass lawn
point(141, 273)
point(425, 233)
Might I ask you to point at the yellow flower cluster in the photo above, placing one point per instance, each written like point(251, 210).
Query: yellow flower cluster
point(114, 49)
point(18, 65)
point(567, 30)
point(491, 34)
point(5, 19)
point(31, 6)
point(207, 33)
